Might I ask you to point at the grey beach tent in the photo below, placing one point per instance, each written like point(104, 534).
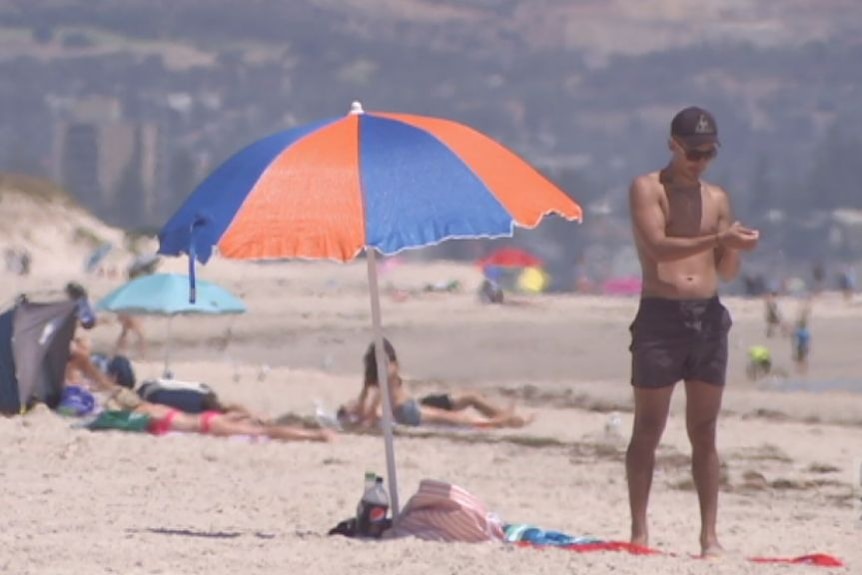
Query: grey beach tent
point(34, 350)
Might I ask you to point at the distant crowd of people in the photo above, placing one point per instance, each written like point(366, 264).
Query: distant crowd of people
point(758, 284)
point(796, 328)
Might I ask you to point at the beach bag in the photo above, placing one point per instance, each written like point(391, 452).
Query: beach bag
point(440, 511)
point(186, 396)
point(121, 420)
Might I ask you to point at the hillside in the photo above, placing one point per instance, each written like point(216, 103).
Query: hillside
point(597, 28)
point(58, 233)
point(584, 89)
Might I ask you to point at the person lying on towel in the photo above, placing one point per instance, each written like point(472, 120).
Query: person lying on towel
point(163, 419)
point(186, 396)
point(442, 409)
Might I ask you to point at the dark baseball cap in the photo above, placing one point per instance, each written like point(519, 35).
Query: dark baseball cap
point(694, 127)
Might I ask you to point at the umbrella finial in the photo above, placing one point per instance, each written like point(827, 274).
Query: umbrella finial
point(356, 107)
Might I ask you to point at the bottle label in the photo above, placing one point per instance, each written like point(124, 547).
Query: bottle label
point(377, 514)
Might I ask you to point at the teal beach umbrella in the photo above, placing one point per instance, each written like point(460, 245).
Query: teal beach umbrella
point(167, 295)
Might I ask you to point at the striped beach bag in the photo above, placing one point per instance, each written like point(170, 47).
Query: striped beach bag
point(441, 511)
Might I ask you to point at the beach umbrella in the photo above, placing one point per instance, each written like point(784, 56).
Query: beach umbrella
point(533, 280)
point(376, 182)
point(167, 295)
point(511, 258)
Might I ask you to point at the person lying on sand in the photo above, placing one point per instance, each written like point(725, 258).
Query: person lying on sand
point(440, 409)
point(165, 418)
point(190, 397)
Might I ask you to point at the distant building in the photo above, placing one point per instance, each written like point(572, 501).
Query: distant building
point(845, 233)
point(111, 165)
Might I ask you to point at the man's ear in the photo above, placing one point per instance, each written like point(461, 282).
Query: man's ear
point(670, 145)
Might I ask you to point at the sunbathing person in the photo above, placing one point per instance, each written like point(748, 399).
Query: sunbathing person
point(164, 419)
point(445, 409)
point(190, 397)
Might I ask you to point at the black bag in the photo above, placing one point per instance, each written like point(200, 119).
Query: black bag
point(348, 528)
point(187, 396)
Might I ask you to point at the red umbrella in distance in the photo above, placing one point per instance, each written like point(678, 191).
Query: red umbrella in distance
point(511, 258)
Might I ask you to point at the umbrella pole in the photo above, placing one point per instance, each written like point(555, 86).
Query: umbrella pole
point(383, 377)
point(167, 371)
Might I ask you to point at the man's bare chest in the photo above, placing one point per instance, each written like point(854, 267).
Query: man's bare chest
point(689, 213)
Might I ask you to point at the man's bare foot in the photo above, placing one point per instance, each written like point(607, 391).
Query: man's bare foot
point(516, 420)
point(711, 550)
point(325, 435)
point(512, 419)
point(639, 539)
point(522, 420)
point(500, 421)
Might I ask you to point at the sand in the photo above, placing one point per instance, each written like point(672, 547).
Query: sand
point(77, 501)
point(82, 502)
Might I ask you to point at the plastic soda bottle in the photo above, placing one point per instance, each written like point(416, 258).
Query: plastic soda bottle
point(370, 479)
point(372, 510)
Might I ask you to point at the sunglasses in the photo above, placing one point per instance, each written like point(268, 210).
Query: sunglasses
point(700, 155)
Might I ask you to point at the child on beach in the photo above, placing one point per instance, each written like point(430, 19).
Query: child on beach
point(445, 409)
point(759, 362)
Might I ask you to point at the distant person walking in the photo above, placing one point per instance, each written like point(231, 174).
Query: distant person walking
point(687, 240)
point(802, 338)
point(131, 325)
point(847, 282)
point(774, 322)
point(818, 273)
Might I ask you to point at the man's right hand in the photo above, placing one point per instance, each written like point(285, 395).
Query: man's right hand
point(739, 237)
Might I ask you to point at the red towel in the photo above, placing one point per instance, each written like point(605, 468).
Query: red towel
point(815, 559)
point(818, 559)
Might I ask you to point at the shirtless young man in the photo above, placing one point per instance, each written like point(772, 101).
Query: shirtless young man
point(687, 240)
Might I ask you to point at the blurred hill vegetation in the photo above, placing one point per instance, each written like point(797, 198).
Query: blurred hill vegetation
point(584, 89)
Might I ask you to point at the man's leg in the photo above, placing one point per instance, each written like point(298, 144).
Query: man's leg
point(703, 403)
point(650, 417)
point(291, 433)
point(122, 340)
point(135, 327)
point(435, 415)
point(464, 400)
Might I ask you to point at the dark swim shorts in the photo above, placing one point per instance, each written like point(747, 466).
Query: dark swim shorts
point(675, 340)
point(442, 401)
